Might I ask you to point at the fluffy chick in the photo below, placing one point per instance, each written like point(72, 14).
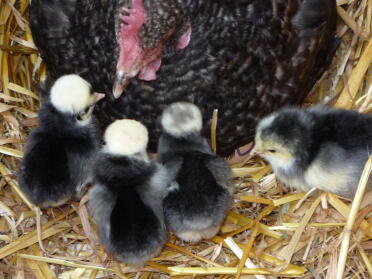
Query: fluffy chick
point(58, 154)
point(126, 201)
point(201, 195)
point(319, 148)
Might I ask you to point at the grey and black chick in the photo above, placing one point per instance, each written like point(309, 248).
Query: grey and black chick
point(127, 200)
point(57, 160)
point(201, 194)
point(319, 147)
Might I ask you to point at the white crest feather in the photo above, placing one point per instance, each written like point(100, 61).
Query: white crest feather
point(71, 94)
point(181, 118)
point(126, 137)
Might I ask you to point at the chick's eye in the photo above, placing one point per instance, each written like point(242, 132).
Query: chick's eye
point(272, 150)
point(83, 115)
point(80, 117)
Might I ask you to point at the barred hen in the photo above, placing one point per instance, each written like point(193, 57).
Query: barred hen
point(245, 58)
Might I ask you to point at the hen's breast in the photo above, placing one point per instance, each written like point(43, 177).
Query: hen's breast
point(245, 58)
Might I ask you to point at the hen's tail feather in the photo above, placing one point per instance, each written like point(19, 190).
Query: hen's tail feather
point(315, 21)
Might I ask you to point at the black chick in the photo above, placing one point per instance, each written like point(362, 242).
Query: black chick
point(57, 161)
point(245, 58)
point(126, 201)
point(319, 148)
point(201, 195)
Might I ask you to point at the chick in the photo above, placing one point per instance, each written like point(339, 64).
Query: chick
point(127, 200)
point(58, 154)
point(201, 195)
point(319, 147)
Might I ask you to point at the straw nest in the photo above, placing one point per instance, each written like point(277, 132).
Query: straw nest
point(264, 236)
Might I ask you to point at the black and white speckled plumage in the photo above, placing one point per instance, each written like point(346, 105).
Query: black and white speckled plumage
point(326, 148)
point(57, 162)
point(246, 58)
point(127, 205)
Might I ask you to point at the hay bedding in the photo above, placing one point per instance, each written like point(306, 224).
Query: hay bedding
point(264, 234)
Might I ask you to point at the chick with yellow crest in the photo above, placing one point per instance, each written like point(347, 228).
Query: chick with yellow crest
point(58, 155)
point(127, 200)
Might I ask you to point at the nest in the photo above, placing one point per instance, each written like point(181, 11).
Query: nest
point(267, 233)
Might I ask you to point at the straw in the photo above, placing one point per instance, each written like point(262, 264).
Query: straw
point(351, 218)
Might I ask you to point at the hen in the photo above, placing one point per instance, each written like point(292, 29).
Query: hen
point(245, 58)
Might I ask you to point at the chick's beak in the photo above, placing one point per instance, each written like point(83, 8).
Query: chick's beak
point(256, 151)
point(120, 83)
point(99, 96)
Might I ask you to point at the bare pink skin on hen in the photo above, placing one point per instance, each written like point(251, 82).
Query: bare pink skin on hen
point(184, 40)
point(132, 59)
point(149, 72)
point(130, 50)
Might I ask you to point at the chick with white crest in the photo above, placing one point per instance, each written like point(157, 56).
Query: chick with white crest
point(319, 148)
point(127, 200)
point(57, 161)
point(201, 193)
